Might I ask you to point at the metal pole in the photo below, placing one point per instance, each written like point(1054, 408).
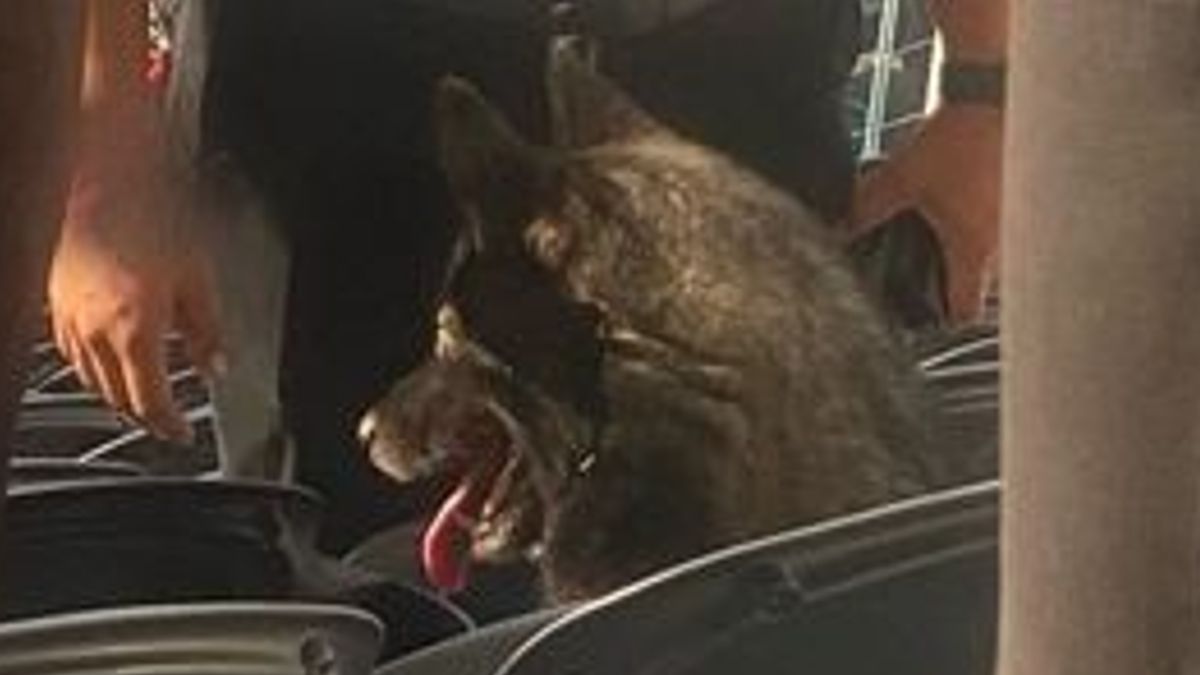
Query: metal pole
point(1101, 408)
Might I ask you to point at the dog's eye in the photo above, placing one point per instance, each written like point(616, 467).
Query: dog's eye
point(514, 307)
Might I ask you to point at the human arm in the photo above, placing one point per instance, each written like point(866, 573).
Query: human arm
point(951, 170)
point(123, 270)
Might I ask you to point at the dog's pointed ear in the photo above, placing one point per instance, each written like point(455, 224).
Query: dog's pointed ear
point(587, 108)
point(494, 174)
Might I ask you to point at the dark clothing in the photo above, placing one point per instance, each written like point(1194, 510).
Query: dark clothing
point(761, 80)
point(326, 106)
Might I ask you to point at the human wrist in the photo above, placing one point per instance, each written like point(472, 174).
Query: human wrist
point(119, 139)
point(119, 172)
point(116, 52)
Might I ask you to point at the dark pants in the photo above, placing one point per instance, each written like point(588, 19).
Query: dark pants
point(325, 106)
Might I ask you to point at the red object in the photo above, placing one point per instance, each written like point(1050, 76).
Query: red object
point(158, 67)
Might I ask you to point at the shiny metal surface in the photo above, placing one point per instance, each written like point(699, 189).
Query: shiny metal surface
point(197, 639)
point(28, 471)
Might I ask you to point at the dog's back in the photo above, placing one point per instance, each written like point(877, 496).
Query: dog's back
point(749, 384)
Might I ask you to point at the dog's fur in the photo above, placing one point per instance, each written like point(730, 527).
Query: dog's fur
point(678, 357)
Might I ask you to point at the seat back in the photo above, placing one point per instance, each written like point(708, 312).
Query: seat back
point(908, 588)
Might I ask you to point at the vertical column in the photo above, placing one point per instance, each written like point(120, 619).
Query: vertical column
point(1101, 282)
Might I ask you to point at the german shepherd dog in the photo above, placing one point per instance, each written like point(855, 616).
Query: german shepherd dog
point(645, 352)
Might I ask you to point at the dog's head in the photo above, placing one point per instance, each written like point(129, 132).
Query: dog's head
point(512, 400)
point(590, 315)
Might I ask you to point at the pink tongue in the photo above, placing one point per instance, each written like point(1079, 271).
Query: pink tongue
point(446, 543)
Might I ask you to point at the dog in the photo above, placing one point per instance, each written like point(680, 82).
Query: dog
point(645, 352)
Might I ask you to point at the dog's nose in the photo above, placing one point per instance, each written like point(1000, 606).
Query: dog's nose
point(367, 427)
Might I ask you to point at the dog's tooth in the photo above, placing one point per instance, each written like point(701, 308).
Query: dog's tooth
point(501, 492)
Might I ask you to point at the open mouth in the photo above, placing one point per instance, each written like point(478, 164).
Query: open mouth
point(492, 513)
point(472, 523)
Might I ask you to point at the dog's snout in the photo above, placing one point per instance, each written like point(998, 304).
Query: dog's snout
point(367, 426)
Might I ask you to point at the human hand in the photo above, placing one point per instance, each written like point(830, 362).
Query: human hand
point(951, 173)
point(122, 273)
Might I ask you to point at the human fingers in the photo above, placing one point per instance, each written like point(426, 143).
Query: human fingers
point(105, 371)
point(72, 351)
point(143, 363)
point(61, 341)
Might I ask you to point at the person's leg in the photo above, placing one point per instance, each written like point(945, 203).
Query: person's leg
point(1101, 340)
point(369, 253)
point(326, 109)
point(250, 267)
point(252, 278)
point(40, 59)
